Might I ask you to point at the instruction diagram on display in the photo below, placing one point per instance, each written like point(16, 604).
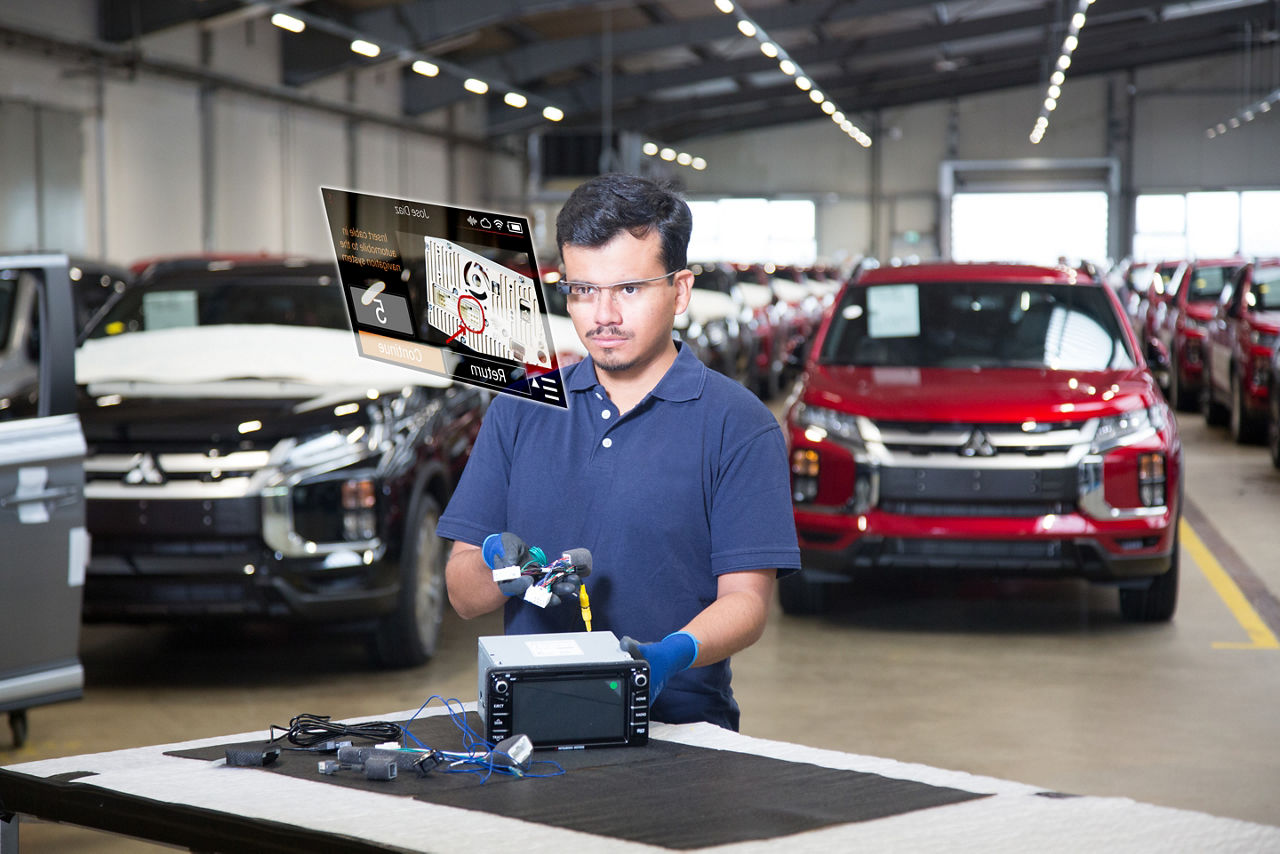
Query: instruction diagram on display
point(447, 290)
point(484, 305)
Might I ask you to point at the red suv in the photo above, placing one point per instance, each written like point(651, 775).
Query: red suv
point(985, 417)
point(1242, 331)
point(1180, 321)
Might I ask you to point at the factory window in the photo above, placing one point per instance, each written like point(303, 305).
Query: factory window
point(748, 231)
point(1034, 227)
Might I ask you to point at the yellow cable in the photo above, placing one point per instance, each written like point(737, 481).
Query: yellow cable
point(585, 602)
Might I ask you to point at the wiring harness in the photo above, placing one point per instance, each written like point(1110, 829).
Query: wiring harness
point(320, 733)
point(478, 756)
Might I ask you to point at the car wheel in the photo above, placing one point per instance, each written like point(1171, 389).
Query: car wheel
point(800, 596)
point(1215, 414)
point(407, 637)
point(18, 727)
point(1244, 427)
point(1179, 399)
point(1273, 427)
point(1156, 602)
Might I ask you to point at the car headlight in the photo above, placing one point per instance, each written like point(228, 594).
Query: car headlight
point(1116, 430)
point(819, 423)
point(323, 497)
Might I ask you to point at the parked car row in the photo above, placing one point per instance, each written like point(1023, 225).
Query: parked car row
point(988, 418)
point(1216, 323)
point(753, 323)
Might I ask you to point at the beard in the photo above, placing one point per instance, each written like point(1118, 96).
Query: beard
point(607, 360)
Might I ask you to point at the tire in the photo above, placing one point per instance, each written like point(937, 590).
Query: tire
point(408, 636)
point(1215, 414)
point(1245, 428)
point(1156, 602)
point(801, 597)
point(18, 727)
point(1273, 427)
point(1179, 398)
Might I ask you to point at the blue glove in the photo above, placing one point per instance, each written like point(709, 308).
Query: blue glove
point(507, 549)
point(677, 651)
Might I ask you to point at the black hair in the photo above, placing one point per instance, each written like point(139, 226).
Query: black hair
point(601, 208)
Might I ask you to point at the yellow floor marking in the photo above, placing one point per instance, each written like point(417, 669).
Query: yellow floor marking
point(1260, 637)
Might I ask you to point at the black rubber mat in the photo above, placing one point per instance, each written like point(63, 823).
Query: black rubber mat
point(667, 794)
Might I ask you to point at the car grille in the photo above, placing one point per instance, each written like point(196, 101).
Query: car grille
point(933, 440)
point(977, 469)
point(175, 473)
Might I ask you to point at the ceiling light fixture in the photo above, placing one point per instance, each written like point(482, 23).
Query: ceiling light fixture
point(770, 48)
point(670, 155)
point(1053, 93)
point(288, 22)
point(298, 20)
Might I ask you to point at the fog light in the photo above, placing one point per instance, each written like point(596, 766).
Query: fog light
point(1151, 479)
point(804, 475)
point(804, 462)
point(359, 519)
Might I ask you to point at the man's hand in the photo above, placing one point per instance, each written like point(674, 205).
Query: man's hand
point(677, 651)
point(503, 550)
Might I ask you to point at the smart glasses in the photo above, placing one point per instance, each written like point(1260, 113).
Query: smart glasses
point(626, 292)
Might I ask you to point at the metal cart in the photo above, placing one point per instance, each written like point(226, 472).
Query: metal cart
point(43, 543)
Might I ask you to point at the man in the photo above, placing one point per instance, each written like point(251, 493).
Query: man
point(673, 476)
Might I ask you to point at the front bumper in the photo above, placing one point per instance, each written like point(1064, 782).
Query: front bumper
point(1065, 546)
point(167, 559)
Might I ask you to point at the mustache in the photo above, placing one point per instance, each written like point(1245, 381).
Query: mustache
point(609, 332)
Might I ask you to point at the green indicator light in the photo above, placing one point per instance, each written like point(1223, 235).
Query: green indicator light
point(613, 686)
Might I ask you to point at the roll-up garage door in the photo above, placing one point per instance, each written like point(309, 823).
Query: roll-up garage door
point(1031, 210)
point(1034, 227)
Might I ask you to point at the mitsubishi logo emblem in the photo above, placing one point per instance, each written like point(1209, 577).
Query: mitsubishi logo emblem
point(977, 445)
point(145, 469)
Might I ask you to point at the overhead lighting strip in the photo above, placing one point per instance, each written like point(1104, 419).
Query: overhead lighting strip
point(297, 21)
point(1059, 76)
point(752, 30)
point(1246, 115)
point(670, 155)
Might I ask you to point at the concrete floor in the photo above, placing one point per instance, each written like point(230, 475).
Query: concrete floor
point(1039, 682)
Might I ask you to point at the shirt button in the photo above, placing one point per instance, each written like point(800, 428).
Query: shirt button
point(608, 443)
point(599, 396)
point(605, 414)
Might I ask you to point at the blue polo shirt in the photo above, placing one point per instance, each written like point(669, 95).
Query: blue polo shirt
point(691, 483)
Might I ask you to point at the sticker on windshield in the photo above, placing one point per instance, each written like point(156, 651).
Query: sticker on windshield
point(893, 311)
point(170, 310)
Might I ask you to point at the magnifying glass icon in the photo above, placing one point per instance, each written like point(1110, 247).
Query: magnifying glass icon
point(469, 316)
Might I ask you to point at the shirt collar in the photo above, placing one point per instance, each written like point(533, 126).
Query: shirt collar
point(682, 381)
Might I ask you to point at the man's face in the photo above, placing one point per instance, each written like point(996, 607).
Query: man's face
point(625, 329)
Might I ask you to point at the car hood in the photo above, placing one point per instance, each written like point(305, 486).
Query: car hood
point(1201, 311)
point(756, 296)
point(1267, 320)
point(706, 306)
point(253, 360)
point(992, 395)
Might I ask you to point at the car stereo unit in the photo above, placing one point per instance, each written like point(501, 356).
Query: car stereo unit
point(575, 689)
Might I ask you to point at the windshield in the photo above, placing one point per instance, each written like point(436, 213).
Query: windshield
point(1207, 283)
point(976, 324)
point(1265, 293)
point(179, 303)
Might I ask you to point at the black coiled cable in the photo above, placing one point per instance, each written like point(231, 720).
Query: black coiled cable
point(307, 730)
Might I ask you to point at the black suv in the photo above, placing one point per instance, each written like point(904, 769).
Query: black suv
point(245, 462)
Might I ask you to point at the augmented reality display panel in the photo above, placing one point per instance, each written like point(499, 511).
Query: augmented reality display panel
point(447, 290)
